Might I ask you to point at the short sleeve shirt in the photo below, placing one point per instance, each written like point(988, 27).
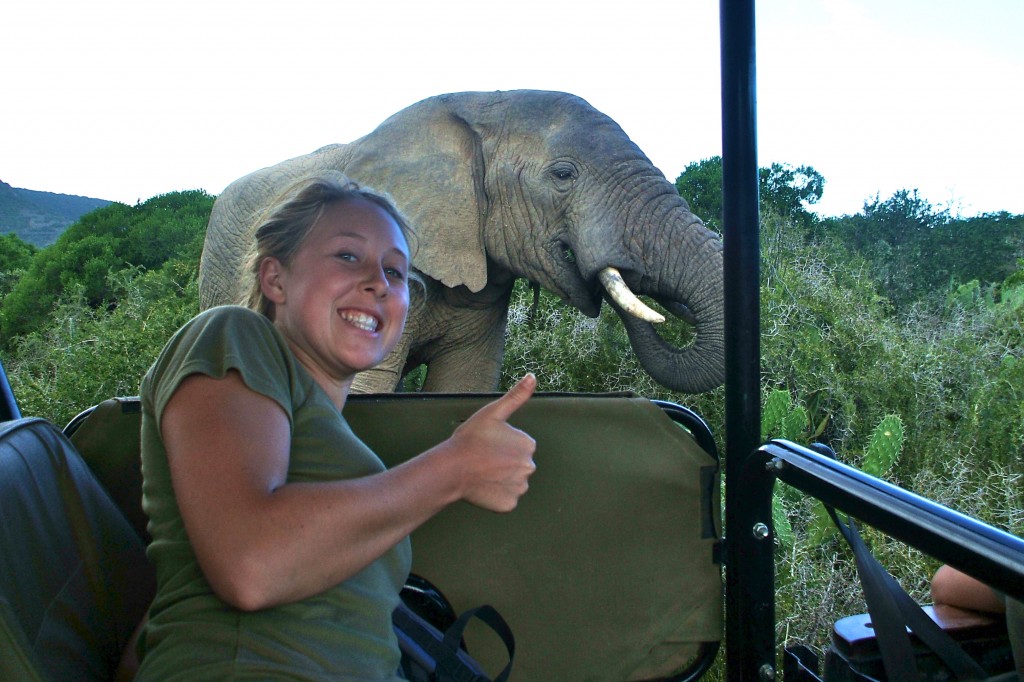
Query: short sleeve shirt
point(345, 632)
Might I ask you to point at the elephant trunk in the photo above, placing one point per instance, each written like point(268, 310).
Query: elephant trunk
point(689, 286)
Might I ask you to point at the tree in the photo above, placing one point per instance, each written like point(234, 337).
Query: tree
point(15, 254)
point(700, 184)
point(15, 257)
point(787, 191)
point(902, 221)
point(917, 251)
point(107, 240)
point(784, 191)
point(986, 248)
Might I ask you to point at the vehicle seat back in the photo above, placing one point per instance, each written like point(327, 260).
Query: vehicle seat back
point(74, 579)
point(607, 570)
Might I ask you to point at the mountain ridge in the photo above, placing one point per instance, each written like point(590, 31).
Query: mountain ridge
point(39, 217)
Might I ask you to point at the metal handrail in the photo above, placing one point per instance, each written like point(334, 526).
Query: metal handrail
point(989, 554)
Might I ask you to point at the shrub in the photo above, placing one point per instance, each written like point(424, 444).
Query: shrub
point(838, 365)
point(86, 354)
point(111, 238)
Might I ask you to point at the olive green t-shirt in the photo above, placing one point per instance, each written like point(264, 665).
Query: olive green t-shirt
point(344, 633)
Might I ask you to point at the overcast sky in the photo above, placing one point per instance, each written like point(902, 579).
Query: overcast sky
point(126, 99)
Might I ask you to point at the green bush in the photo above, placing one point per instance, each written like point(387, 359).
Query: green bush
point(108, 239)
point(15, 257)
point(86, 354)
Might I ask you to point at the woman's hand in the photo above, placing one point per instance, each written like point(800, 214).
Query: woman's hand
point(497, 457)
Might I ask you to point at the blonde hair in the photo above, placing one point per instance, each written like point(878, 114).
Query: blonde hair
point(284, 226)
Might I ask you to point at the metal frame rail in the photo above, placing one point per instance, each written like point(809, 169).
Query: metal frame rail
point(991, 555)
point(749, 561)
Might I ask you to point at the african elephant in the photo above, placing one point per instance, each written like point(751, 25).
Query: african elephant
point(503, 185)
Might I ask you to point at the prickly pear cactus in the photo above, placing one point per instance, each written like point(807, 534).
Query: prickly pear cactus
point(880, 457)
point(885, 446)
point(775, 409)
point(794, 424)
point(780, 522)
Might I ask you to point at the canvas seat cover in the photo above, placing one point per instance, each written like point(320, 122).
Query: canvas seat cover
point(606, 569)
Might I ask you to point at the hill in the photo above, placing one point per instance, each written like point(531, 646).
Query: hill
point(40, 217)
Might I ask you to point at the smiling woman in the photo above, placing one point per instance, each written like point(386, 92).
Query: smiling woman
point(349, 271)
point(281, 540)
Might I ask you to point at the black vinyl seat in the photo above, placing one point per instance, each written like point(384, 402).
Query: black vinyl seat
point(74, 580)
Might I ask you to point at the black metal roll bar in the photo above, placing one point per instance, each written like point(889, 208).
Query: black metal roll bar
point(8, 405)
point(751, 469)
point(749, 561)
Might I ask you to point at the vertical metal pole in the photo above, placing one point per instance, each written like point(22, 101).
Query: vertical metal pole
point(8, 405)
point(750, 576)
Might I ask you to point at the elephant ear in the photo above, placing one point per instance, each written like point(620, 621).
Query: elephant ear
point(431, 162)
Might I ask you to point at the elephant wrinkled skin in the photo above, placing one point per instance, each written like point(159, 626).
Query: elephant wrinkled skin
point(503, 185)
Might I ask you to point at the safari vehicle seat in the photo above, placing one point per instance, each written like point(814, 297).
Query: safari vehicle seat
point(608, 570)
point(74, 580)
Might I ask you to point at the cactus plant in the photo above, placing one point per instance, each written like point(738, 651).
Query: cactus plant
point(775, 409)
point(885, 446)
point(880, 457)
point(795, 424)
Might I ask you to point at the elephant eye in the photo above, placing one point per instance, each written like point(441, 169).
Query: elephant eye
point(564, 172)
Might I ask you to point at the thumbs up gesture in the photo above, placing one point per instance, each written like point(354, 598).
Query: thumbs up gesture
point(497, 458)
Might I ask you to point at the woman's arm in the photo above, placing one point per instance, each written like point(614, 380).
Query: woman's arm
point(261, 541)
point(955, 588)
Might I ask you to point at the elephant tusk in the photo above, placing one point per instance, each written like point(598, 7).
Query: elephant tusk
point(627, 300)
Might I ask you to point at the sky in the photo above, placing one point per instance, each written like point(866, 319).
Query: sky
point(127, 99)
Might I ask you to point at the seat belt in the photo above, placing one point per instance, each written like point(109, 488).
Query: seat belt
point(892, 610)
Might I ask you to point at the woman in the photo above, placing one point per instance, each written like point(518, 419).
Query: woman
point(280, 540)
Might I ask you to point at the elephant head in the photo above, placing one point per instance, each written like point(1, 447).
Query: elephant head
point(505, 185)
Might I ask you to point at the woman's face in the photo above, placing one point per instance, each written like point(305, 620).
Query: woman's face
point(341, 303)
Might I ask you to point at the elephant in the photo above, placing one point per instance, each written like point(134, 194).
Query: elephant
point(504, 185)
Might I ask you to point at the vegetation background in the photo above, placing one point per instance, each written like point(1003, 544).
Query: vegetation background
point(902, 325)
